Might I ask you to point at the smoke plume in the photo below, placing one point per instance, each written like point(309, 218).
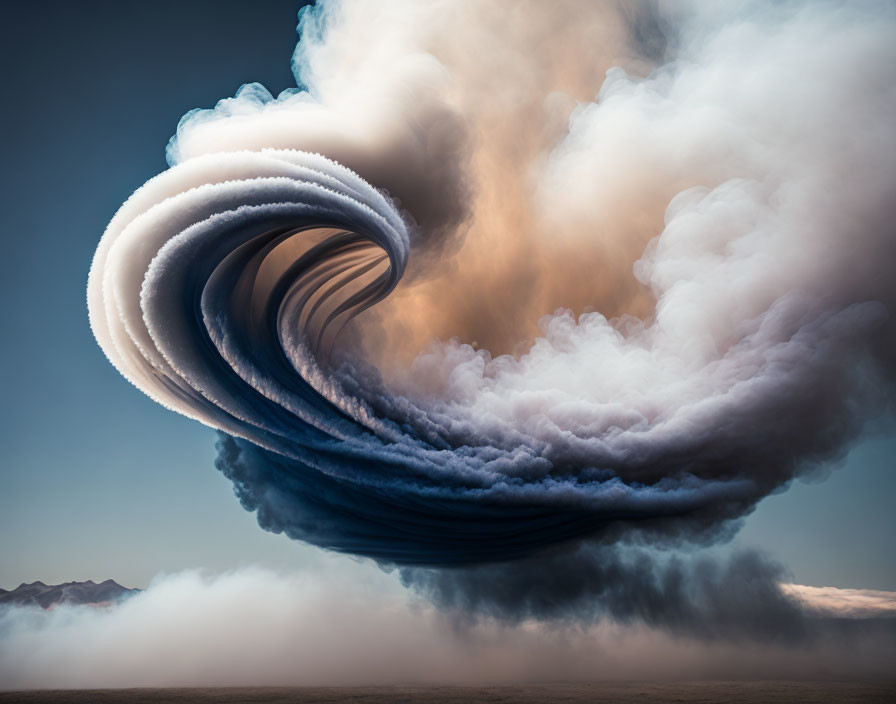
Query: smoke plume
point(499, 278)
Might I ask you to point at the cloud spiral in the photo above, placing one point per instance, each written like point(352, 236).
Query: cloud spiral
point(629, 283)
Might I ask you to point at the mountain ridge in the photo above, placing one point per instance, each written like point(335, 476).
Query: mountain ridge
point(47, 596)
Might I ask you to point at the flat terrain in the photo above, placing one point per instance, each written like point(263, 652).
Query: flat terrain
point(640, 693)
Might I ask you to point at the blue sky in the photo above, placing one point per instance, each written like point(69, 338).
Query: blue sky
point(98, 481)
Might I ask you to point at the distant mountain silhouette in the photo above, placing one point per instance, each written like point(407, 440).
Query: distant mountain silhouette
point(48, 595)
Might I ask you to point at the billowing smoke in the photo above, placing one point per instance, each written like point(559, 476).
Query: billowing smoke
point(738, 600)
point(632, 267)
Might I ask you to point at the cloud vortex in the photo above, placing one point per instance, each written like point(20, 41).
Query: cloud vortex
point(713, 232)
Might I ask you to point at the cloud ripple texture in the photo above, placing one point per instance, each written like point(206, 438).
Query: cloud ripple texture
point(495, 278)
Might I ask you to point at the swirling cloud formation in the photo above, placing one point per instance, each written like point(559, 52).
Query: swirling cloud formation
point(632, 266)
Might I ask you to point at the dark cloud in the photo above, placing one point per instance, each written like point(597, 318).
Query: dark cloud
point(731, 599)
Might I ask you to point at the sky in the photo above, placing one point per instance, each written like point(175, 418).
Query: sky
point(100, 482)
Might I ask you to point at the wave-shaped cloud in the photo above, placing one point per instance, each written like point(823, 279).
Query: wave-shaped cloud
point(717, 223)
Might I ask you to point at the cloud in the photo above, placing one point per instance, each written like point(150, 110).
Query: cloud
point(851, 603)
point(562, 274)
point(744, 598)
point(256, 627)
